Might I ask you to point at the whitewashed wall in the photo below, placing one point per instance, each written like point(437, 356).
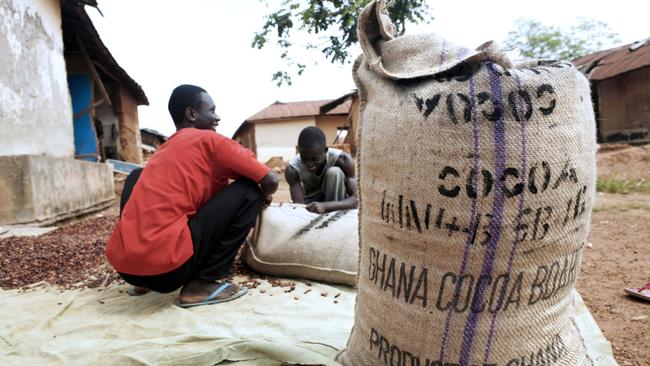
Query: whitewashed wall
point(35, 106)
point(279, 138)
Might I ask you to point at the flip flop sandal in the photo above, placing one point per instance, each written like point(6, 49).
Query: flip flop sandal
point(641, 292)
point(212, 298)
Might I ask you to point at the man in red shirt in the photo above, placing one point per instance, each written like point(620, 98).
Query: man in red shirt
point(181, 223)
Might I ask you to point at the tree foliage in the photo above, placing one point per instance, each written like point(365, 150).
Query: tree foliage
point(536, 40)
point(334, 24)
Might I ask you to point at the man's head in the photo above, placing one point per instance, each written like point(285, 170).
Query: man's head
point(312, 148)
point(191, 106)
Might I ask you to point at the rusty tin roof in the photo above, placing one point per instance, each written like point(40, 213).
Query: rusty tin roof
point(609, 63)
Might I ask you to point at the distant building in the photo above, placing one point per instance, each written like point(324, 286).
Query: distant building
point(273, 131)
point(152, 138)
point(105, 98)
point(62, 96)
point(620, 86)
point(151, 141)
point(347, 134)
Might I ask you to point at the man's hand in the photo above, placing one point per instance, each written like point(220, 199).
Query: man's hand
point(267, 201)
point(317, 207)
point(269, 184)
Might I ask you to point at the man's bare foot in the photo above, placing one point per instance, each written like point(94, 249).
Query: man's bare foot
point(196, 291)
point(137, 291)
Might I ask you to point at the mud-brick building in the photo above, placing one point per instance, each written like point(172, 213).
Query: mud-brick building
point(65, 105)
point(273, 131)
point(620, 85)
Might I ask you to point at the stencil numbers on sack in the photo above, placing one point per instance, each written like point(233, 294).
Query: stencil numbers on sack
point(458, 106)
point(533, 224)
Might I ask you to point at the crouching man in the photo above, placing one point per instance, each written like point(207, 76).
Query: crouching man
point(321, 177)
point(181, 222)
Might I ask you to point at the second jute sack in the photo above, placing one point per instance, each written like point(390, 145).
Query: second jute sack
point(476, 181)
point(290, 241)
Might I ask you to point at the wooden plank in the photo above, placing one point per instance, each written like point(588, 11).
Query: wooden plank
point(87, 110)
point(93, 71)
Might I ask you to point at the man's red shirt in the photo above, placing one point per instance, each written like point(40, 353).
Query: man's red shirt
point(152, 236)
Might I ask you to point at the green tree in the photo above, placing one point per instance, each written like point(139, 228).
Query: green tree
point(334, 22)
point(536, 40)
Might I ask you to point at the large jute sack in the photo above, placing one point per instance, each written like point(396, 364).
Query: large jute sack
point(290, 241)
point(476, 182)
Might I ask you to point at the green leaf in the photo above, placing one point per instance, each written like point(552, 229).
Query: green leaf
point(536, 40)
point(332, 22)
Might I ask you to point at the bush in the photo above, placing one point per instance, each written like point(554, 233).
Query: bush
point(622, 186)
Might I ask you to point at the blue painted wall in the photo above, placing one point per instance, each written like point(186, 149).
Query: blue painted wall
point(85, 140)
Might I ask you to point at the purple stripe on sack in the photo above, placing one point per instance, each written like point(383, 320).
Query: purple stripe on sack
point(497, 211)
point(463, 52)
point(520, 209)
point(468, 242)
point(443, 50)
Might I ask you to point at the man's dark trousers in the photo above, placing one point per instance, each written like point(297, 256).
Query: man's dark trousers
point(218, 230)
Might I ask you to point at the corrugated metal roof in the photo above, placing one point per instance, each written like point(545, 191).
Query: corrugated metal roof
point(76, 22)
point(347, 98)
point(154, 132)
point(609, 63)
point(280, 110)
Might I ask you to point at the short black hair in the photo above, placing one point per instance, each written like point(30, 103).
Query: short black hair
point(182, 97)
point(311, 137)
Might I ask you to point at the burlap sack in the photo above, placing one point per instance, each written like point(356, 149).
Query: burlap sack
point(476, 183)
point(290, 241)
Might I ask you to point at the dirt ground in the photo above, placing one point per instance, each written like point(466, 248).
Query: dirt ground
point(625, 162)
point(619, 258)
point(617, 255)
